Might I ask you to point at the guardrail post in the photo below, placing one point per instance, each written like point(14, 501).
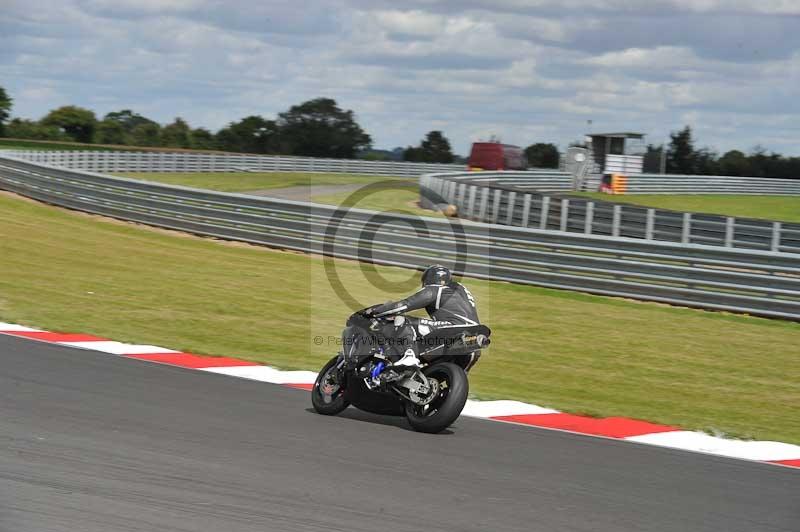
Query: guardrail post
point(512, 196)
point(587, 223)
point(526, 210)
point(496, 205)
point(545, 212)
point(650, 224)
point(461, 201)
point(776, 236)
point(729, 225)
point(615, 219)
point(484, 200)
point(564, 214)
point(687, 227)
point(471, 206)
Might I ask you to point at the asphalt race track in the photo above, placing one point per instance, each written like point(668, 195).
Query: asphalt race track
point(93, 442)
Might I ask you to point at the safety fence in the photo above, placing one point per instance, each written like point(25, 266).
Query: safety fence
point(501, 202)
point(129, 161)
point(755, 282)
point(539, 180)
point(701, 184)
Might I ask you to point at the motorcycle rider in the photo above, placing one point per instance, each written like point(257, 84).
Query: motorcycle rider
point(448, 303)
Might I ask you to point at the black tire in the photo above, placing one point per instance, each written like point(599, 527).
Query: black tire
point(450, 401)
point(338, 402)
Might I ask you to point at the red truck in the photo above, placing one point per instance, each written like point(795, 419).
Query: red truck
point(496, 156)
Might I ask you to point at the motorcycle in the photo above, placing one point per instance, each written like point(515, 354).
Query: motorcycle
point(362, 374)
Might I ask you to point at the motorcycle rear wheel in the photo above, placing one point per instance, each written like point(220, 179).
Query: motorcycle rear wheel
point(447, 405)
point(337, 401)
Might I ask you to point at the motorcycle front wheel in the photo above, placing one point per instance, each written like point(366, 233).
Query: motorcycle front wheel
point(327, 395)
point(450, 399)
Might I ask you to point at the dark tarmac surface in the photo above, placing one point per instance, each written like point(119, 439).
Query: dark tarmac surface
point(93, 442)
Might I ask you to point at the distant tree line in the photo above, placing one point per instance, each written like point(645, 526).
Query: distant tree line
point(682, 157)
point(316, 128)
point(320, 128)
point(542, 155)
point(434, 148)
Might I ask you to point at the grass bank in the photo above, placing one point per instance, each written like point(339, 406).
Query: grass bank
point(385, 194)
point(398, 196)
point(782, 208)
point(65, 271)
point(250, 181)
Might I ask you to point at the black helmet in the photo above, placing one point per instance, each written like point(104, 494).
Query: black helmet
point(436, 274)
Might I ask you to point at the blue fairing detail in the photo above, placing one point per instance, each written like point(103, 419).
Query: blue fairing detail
point(376, 369)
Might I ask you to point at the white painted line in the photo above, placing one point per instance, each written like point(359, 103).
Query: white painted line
point(119, 348)
point(685, 440)
point(300, 377)
point(256, 373)
point(699, 441)
point(11, 327)
point(502, 408)
point(267, 374)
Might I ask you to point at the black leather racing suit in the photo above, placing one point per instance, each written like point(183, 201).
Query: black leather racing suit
point(449, 306)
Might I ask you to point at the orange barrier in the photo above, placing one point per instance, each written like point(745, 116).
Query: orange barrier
point(619, 183)
point(614, 184)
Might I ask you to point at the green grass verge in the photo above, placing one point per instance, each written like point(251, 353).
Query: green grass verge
point(399, 196)
point(783, 208)
point(250, 181)
point(602, 356)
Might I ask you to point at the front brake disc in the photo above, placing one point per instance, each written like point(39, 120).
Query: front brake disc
point(327, 389)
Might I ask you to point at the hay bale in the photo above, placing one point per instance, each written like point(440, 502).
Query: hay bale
point(450, 211)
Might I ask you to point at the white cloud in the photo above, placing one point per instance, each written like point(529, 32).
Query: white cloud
point(532, 70)
point(41, 94)
point(775, 7)
point(569, 7)
point(415, 22)
point(660, 57)
point(145, 6)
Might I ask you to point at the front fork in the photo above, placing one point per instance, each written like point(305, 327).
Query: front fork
point(337, 371)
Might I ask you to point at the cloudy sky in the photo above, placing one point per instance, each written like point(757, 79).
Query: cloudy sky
point(523, 70)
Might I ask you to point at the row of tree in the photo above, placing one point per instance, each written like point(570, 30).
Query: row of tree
point(682, 157)
point(316, 128)
point(435, 148)
point(320, 128)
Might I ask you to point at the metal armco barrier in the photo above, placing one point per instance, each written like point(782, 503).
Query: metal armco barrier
point(502, 201)
point(130, 161)
point(528, 180)
point(755, 282)
point(708, 184)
